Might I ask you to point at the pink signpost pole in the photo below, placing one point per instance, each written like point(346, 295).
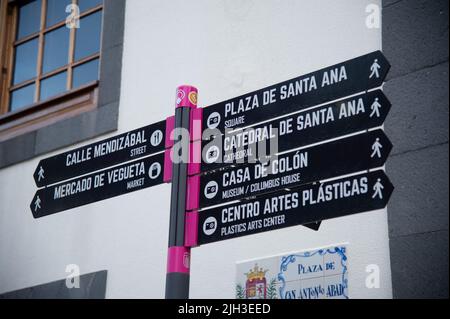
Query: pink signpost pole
point(178, 259)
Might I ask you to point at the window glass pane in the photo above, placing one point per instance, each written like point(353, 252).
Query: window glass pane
point(56, 11)
point(25, 61)
point(85, 73)
point(88, 4)
point(22, 97)
point(29, 18)
point(56, 49)
point(53, 85)
point(87, 40)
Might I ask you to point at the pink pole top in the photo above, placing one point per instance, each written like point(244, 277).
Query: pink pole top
point(187, 96)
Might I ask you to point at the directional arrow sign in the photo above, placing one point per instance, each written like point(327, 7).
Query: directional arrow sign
point(119, 149)
point(306, 204)
point(350, 155)
point(98, 186)
point(332, 120)
point(360, 74)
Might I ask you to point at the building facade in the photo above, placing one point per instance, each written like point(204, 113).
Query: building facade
point(121, 73)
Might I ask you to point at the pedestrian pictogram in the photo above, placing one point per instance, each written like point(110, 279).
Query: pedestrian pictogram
point(375, 69)
point(378, 189)
point(376, 147)
point(375, 107)
point(37, 204)
point(41, 174)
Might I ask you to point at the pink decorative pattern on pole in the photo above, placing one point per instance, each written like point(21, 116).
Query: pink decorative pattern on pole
point(170, 125)
point(178, 260)
point(193, 193)
point(196, 124)
point(195, 158)
point(181, 228)
point(191, 230)
point(168, 166)
point(187, 96)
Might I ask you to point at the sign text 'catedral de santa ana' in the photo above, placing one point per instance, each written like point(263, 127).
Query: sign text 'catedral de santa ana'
point(361, 112)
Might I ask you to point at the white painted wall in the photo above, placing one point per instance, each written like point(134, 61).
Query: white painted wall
point(225, 48)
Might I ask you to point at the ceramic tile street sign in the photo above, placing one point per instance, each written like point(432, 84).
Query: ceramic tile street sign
point(112, 151)
point(361, 112)
point(350, 77)
point(345, 156)
point(320, 273)
point(306, 204)
point(98, 186)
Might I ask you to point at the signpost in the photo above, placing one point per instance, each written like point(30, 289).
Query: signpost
point(179, 255)
point(350, 155)
point(353, 76)
point(264, 193)
point(98, 186)
point(306, 204)
point(332, 120)
point(116, 150)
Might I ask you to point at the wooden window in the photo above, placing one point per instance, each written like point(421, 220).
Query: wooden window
point(50, 57)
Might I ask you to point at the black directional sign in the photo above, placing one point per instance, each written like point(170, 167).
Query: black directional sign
point(108, 183)
point(306, 204)
point(345, 156)
point(119, 149)
point(361, 112)
point(353, 76)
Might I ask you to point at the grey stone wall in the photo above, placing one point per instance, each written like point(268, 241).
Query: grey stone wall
point(415, 40)
point(92, 286)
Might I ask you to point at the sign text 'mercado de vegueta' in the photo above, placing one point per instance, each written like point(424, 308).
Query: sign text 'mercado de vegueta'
point(98, 186)
point(347, 78)
point(361, 112)
point(119, 149)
